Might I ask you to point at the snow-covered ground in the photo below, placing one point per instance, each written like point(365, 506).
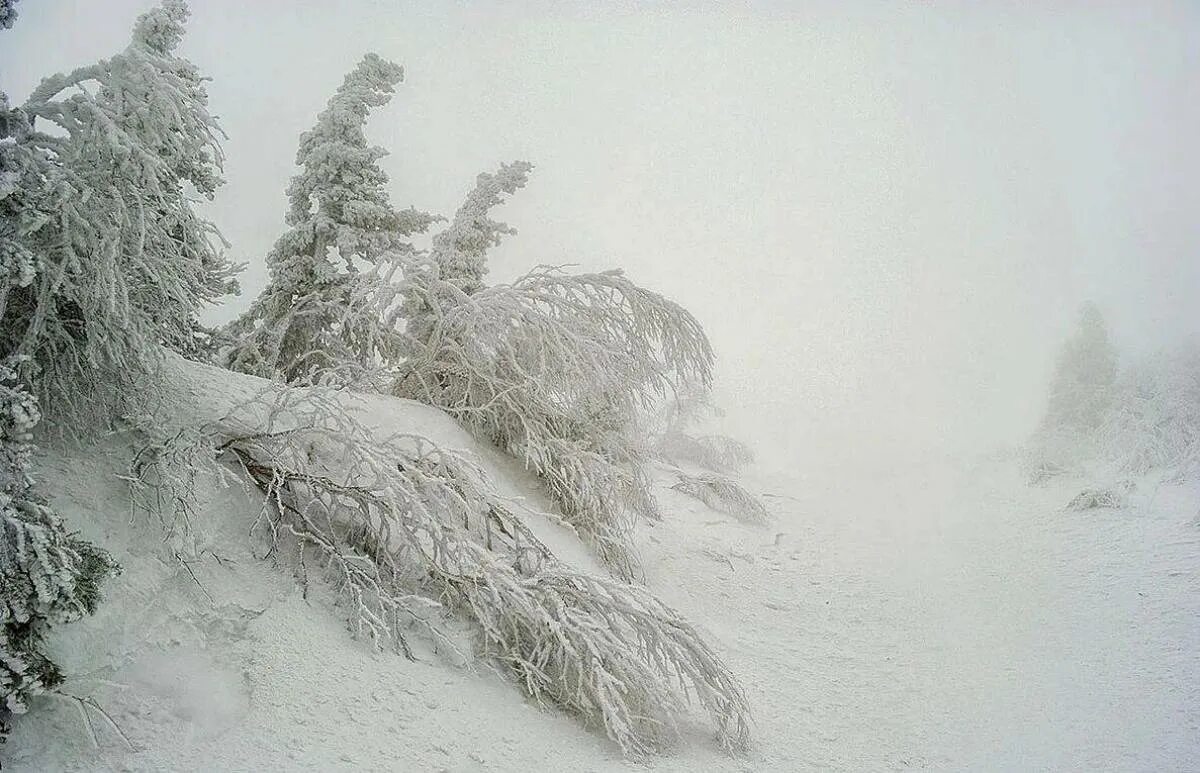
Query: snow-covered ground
point(946, 616)
point(932, 613)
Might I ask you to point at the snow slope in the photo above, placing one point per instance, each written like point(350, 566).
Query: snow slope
point(936, 614)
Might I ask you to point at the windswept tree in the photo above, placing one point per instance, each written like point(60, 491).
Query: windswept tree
point(554, 368)
point(330, 304)
point(457, 263)
point(557, 369)
point(102, 258)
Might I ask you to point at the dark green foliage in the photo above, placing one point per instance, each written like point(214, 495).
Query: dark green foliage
point(47, 576)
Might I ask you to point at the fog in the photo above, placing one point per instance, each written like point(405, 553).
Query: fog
point(886, 217)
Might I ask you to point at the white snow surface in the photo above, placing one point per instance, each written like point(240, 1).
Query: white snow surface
point(923, 614)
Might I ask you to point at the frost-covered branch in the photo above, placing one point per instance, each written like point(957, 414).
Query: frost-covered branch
point(406, 530)
point(723, 494)
point(1154, 422)
point(556, 369)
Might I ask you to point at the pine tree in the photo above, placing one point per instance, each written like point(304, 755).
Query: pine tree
point(1082, 389)
point(329, 303)
point(102, 258)
point(457, 264)
point(47, 576)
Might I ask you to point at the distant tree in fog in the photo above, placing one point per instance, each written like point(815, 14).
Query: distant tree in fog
point(1081, 391)
point(1154, 423)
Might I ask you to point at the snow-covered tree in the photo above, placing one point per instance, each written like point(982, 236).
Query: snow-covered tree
point(102, 262)
point(102, 258)
point(457, 263)
point(1082, 389)
point(1154, 419)
point(330, 303)
point(556, 369)
point(8, 13)
point(47, 576)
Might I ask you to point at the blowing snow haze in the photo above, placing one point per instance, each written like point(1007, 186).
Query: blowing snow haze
point(887, 218)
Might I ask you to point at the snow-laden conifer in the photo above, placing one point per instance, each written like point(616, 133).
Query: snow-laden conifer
point(102, 257)
point(1082, 389)
point(1081, 395)
point(457, 263)
point(330, 302)
point(47, 576)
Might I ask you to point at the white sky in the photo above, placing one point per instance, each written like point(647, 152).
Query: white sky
point(886, 214)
